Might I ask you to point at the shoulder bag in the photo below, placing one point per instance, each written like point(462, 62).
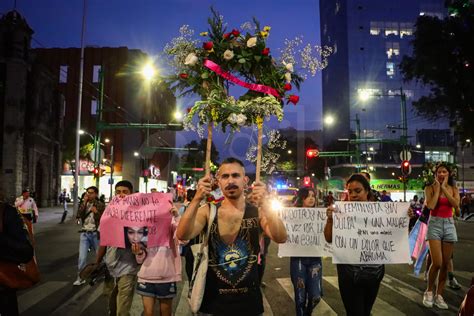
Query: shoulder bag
point(18, 276)
point(197, 285)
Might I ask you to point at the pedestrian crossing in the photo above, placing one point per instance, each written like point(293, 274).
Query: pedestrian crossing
point(87, 297)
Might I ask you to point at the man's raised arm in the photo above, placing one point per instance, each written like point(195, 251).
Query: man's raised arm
point(195, 217)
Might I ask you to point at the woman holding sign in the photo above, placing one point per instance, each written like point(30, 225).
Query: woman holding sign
point(441, 197)
point(160, 269)
point(306, 272)
point(358, 284)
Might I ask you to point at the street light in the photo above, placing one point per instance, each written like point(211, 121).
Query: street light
point(329, 120)
point(148, 71)
point(289, 151)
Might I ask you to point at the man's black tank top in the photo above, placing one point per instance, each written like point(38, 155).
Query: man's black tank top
point(232, 282)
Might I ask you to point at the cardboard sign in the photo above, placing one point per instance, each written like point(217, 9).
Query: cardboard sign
point(370, 233)
point(138, 216)
point(305, 228)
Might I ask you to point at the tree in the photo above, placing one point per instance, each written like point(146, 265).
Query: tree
point(196, 158)
point(442, 60)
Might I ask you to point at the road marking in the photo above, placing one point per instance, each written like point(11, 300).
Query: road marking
point(409, 291)
point(460, 293)
point(380, 306)
point(266, 306)
point(465, 275)
point(98, 290)
point(321, 309)
point(73, 305)
point(37, 294)
point(183, 306)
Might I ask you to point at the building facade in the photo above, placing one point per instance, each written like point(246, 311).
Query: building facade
point(31, 117)
point(370, 38)
point(126, 98)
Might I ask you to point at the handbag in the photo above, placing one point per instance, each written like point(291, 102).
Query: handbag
point(197, 285)
point(23, 275)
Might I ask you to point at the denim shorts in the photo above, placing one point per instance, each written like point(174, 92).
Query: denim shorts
point(157, 290)
point(440, 228)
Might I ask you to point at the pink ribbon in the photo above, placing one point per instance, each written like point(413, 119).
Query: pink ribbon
point(251, 86)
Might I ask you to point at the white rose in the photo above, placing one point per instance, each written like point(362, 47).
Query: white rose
point(241, 118)
point(232, 118)
point(252, 42)
point(191, 59)
point(288, 77)
point(228, 54)
point(288, 66)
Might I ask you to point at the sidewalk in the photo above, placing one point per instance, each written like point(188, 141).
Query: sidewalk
point(51, 216)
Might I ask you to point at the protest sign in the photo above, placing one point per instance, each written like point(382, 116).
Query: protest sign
point(138, 217)
point(305, 228)
point(370, 233)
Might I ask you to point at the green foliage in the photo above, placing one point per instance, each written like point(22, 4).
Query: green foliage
point(443, 60)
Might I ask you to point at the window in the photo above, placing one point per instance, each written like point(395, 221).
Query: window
point(93, 107)
point(392, 49)
point(376, 27)
point(390, 69)
point(406, 29)
point(96, 73)
point(338, 7)
point(63, 73)
point(391, 28)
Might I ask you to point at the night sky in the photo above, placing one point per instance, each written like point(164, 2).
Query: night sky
point(149, 24)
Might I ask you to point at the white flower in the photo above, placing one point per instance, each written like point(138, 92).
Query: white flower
point(252, 42)
point(238, 119)
point(288, 66)
point(191, 59)
point(288, 77)
point(228, 54)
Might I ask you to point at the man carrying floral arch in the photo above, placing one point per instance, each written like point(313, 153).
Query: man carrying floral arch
point(232, 280)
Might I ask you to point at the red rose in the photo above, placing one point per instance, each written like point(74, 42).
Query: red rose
point(208, 45)
point(210, 198)
point(226, 36)
point(235, 32)
point(266, 51)
point(183, 76)
point(293, 99)
point(287, 87)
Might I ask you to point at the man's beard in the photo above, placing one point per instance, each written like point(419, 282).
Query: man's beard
point(234, 195)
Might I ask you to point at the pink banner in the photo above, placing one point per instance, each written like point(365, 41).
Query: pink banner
point(251, 86)
point(137, 218)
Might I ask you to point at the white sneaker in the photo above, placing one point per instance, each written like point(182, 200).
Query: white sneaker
point(428, 299)
point(79, 282)
point(440, 303)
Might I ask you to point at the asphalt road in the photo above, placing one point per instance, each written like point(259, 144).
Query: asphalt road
point(57, 253)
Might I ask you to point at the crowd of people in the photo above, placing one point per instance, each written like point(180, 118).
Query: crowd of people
point(239, 233)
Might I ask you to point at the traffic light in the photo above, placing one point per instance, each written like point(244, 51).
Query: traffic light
point(312, 153)
point(96, 172)
point(307, 181)
point(405, 167)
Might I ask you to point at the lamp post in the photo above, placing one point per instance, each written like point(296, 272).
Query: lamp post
point(79, 110)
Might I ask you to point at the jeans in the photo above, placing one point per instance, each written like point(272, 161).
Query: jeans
point(63, 218)
point(87, 240)
point(306, 276)
point(359, 287)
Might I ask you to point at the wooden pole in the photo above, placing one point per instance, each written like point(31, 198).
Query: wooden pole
point(259, 148)
point(208, 149)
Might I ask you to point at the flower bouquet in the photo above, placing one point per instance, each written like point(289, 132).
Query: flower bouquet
point(237, 57)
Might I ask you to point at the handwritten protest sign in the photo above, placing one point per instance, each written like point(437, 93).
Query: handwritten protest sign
point(305, 228)
point(150, 212)
point(370, 233)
